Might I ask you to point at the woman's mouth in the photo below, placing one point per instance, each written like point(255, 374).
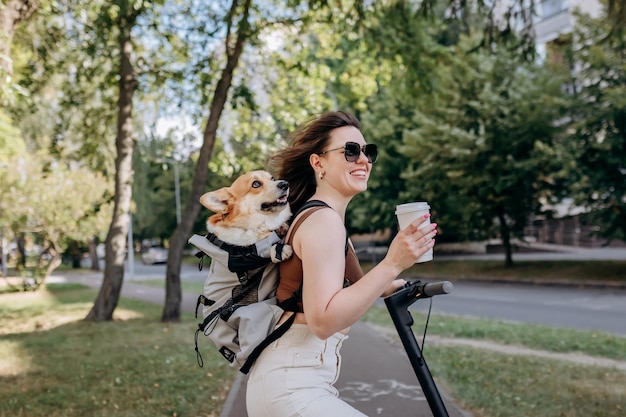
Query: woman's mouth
point(361, 173)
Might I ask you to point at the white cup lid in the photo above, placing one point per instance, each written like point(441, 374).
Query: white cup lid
point(409, 207)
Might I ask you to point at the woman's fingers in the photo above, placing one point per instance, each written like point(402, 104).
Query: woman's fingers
point(417, 223)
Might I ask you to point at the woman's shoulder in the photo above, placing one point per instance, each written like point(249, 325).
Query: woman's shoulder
point(318, 213)
point(322, 223)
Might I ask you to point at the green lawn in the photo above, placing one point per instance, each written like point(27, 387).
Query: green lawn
point(536, 271)
point(551, 339)
point(54, 364)
point(492, 384)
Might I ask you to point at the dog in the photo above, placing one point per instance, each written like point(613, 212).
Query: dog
point(248, 211)
point(245, 246)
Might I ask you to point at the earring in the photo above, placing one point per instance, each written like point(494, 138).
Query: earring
point(321, 175)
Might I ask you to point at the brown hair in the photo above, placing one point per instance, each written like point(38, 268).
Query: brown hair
point(292, 163)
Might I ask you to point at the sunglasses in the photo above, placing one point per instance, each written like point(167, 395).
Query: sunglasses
point(352, 151)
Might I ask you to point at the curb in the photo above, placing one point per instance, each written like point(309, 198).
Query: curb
point(233, 391)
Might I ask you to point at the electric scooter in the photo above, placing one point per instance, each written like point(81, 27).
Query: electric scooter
point(398, 304)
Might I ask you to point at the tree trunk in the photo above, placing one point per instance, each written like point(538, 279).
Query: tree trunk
point(75, 254)
point(115, 244)
point(21, 252)
point(93, 254)
point(54, 262)
point(11, 13)
point(234, 47)
point(506, 238)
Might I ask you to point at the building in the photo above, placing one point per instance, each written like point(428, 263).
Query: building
point(555, 20)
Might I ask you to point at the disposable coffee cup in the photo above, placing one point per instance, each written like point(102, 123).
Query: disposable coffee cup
point(407, 213)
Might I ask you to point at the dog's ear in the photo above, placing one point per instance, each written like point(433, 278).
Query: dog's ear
point(216, 201)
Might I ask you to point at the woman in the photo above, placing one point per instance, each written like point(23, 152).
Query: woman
point(328, 161)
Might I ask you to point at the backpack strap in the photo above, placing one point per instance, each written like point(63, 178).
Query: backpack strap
point(310, 204)
point(272, 337)
point(293, 303)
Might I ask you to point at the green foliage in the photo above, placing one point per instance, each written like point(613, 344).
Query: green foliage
point(51, 199)
point(154, 187)
point(42, 196)
point(460, 120)
point(478, 141)
point(500, 151)
point(599, 113)
point(11, 143)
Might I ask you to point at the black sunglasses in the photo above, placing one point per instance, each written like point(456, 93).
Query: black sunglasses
point(352, 151)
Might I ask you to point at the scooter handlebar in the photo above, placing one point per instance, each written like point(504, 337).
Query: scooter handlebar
point(430, 289)
point(414, 290)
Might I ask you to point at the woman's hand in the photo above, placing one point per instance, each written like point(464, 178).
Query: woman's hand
point(395, 285)
point(409, 244)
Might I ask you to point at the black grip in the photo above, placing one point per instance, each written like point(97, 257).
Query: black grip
point(415, 290)
point(437, 288)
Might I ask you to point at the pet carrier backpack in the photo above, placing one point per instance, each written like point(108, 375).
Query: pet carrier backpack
point(239, 304)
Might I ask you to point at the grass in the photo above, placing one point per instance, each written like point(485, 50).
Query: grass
point(194, 287)
point(494, 384)
point(532, 336)
point(523, 270)
point(54, 364)
point(497, 385)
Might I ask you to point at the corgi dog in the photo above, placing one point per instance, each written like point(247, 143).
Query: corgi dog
point(252, 208)
point(245, 244)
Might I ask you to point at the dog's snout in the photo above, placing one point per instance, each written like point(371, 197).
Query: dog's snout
point(283, 185)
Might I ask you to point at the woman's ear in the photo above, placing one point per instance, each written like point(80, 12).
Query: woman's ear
point(316, 162)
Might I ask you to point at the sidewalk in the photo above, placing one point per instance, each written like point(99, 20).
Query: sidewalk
point(377, 377)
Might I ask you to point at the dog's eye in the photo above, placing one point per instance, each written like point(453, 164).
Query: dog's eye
point(256, 184)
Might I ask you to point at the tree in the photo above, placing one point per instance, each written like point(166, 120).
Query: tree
point(238, 32)
point(244, 25)
point(599, 119)
point(122, 16)
point(12, 12)
point(35, 190)
point(494, 147)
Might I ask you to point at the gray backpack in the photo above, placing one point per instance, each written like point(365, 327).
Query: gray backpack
point(239, 305)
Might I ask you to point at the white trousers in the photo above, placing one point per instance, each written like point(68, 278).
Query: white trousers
point(294, 377)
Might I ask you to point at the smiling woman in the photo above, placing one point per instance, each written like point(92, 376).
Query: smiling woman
point(326, 165)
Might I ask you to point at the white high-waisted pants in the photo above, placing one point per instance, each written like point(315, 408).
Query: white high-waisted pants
point(294, 377)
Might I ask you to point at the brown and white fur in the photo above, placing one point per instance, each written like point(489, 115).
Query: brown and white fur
point(253, 207)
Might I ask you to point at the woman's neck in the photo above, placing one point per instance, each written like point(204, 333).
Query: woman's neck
point(339, 204)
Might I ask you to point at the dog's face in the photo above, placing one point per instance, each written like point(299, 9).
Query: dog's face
point(249, 210)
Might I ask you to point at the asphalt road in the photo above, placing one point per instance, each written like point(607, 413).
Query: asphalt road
point(569, 307)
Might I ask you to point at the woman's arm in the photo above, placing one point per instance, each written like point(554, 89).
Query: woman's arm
point(320, 243)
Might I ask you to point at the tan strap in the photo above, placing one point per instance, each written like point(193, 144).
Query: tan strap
point(302, 217)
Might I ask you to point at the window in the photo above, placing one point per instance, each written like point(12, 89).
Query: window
point(551, 7)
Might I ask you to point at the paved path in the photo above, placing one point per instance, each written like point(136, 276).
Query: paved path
point(377, 377)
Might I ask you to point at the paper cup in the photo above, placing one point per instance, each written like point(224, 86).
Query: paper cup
point(407, 213)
